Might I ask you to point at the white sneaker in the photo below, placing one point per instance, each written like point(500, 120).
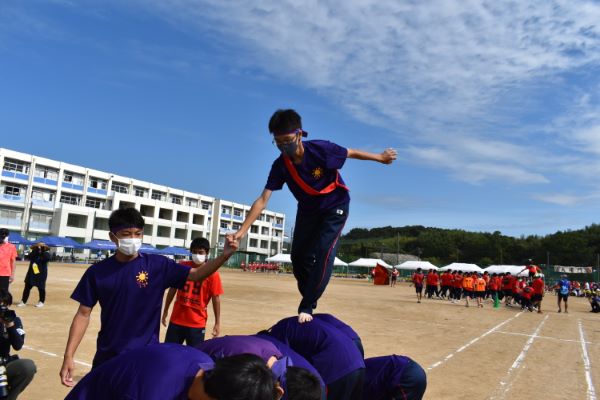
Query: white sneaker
point(40, 304)
point(21, 304)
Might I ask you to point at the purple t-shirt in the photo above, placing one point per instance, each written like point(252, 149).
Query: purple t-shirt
point(318, 169)
point(227, 346)
point(339, 325)
point(297, 359)
point(330, 351)
point(130, 296)
point(383, 374)
point(155, 372)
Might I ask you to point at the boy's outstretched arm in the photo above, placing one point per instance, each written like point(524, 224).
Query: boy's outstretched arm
point(257, 207)
point(385, 157)
point(199, 274)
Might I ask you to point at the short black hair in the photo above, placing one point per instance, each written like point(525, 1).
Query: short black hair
point(200, 243)
point(4, 232)
point(301, 384)
point(240, 377)
point(285, 121)
point(125, 217)
point(5, 297)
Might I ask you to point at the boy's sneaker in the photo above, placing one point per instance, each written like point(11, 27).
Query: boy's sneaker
point(40, 304)
point(21, 304)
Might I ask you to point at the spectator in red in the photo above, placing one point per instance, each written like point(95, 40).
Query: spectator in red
point(8, 256)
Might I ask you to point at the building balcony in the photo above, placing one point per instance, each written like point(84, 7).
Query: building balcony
point(278, 226)
point(226, 216)
point(42, 203)
point(15, 175)
point(12, 199)
point(68, 185)
point(11, 221)
point(39, 226)
point(45, 181)
point(102, 192)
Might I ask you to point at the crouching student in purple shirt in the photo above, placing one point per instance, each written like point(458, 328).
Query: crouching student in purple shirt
point(330, 351)
point(296, 378)
point(394, 378)
point(171, 371)
point(129, 287)
point(310, 169)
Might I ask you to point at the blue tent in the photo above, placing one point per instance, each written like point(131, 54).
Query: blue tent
point(175, 251)
point(57, 241)
point(98, 244)
point(16, 238)
point(148, 248)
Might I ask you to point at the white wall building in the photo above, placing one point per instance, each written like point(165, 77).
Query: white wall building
point(41, 197)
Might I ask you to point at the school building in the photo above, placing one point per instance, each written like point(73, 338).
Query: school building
point(40, 197)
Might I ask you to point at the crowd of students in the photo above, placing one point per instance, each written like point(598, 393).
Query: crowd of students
point(478, 287)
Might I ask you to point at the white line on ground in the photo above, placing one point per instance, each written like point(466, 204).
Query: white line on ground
point(449, 356)
point(56, 355)
point(506, 383)
point(541, 337)
point(591, 392)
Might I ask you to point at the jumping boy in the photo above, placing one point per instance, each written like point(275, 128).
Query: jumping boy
point(188, 319)
point(310, 169)
point(129, 287)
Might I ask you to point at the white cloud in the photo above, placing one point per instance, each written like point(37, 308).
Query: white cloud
point(563, 199)
point(466, 78)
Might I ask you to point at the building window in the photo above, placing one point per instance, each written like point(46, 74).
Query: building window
point(46, 173)
point(76, 220)
point(156, 195)
point(225, 210)
point(205, 205)
point(253, 229)
point(192, 203)
point(198, 219)
point(237, 212)
point(264, 231)
point(264, 244)
point(97, 183)
point(40, 221)
point(16, 166)
point(176, 199)
point(73, 178)
point(10, 217)
point(253, 243)
point(68, 198)
point(224, 225)
point(13, 190)
point(119, 187)
point(279, 221)
point(140, 192)
point(42, 195)
point(101, 224)
point(94, 203)
point(237, 226)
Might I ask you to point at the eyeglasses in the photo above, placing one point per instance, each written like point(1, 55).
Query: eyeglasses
point(286, 142)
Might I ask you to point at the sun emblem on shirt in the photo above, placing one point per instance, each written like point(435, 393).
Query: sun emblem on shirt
point(142, 279)
point(317, 173)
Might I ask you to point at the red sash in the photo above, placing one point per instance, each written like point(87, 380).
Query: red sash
point(308, 189)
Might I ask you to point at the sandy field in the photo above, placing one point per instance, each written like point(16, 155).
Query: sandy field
point(468, 353)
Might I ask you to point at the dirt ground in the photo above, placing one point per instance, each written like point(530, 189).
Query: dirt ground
point(468, 353)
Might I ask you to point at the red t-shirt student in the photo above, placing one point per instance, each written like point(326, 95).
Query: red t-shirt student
point(418, 278)
point(538, 286)
point(432, 278)
point(458, 278)
point(447, 279)
point(190, 308)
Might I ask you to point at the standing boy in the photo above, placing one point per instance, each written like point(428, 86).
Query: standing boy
point(310, 169)
point(8, 256)
point(564, 289)
point(188, 319)
point(417, 280)
point(129, 287)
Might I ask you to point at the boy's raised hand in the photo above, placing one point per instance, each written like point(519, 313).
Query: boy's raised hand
point(388, 156)
point(231, 245)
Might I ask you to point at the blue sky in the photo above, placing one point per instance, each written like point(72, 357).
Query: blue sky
point(494, 107)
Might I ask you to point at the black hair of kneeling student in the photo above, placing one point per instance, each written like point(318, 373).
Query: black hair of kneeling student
point(125, 217)
point(240, 377)
point(285, 121)
point(200, 243)
point(6, 297)
point(301, 384)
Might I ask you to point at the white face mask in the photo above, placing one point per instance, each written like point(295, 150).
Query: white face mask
point(198, 258)
point(6, 239)
point(130, 246)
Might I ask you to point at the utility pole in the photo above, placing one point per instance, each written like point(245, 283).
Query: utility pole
point(547, 258)
point(397, 248)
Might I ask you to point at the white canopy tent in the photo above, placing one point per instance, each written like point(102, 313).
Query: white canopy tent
point(286, 258)
point(413, 265)
point(370, 263)
point(461, 267)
